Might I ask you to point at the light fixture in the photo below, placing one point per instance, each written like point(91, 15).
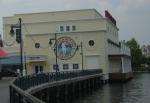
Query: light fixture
point(12, 31)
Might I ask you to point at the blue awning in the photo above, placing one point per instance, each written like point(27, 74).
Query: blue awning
point(10, 60)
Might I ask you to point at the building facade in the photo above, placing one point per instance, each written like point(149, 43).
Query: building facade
point(146, 50)
point(80, 39)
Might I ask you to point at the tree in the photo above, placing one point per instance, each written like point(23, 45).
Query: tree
point(136, 53)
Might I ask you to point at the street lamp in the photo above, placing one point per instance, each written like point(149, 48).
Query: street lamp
point(55, 49)
point(18, 40)
point(81, 53)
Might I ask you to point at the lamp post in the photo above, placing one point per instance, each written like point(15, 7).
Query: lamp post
point(18, 40)
point(81, 53)
point(55, 49)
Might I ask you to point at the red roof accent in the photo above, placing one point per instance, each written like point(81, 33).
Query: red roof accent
point(110, 17)
point(3, 53)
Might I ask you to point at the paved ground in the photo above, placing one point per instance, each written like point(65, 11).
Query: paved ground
point(4, 90)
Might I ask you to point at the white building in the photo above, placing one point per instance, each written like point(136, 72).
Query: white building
point(98, 34)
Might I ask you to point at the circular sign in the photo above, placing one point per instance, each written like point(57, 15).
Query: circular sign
point(66, 48)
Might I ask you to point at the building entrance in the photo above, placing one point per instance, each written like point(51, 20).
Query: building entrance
point(38, 69)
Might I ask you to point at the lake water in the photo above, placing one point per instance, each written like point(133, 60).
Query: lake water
point(135, 91)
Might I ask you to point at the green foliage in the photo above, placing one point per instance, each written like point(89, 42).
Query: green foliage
point(136, 53)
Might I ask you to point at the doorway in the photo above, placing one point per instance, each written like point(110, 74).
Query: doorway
point(38, 69)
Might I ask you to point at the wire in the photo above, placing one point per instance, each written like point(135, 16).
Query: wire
point(11, 44)
point(28, 32)
point(32, 35)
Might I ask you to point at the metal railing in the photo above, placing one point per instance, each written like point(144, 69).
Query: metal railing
point(18, 95)
point(19, 86)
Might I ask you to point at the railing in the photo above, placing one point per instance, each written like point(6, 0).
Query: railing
point(19, 86)
point(17, 95)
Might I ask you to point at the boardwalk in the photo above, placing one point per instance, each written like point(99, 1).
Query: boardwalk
point(4, 91)
point(55, 87)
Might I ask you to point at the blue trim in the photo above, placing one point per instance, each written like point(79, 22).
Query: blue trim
point(10, 60)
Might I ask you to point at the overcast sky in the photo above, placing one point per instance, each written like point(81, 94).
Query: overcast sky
point(133, 16)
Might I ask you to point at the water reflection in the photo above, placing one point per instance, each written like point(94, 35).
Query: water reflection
point(134, 91)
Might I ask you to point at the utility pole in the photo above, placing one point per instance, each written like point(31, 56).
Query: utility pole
point(21, 46)
point(82, 53)
point(56, 54)
point(19, 40)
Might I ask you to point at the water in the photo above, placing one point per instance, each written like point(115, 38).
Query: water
point(135, 91)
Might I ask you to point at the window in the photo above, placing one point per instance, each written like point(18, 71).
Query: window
point(65, 66)
point(61, 28)
point(37, 45)
point(55, 67)
point(73, 28)
point(91, 43)
point(67, 28)
point(38, 69)
point(41, 68)
point(75, 66)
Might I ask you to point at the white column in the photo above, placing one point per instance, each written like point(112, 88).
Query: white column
point(122, 64)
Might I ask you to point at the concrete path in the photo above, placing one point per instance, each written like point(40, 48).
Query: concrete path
point(4, 90)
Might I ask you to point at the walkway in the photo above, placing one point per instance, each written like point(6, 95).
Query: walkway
point(4, 91)
point(54, 87)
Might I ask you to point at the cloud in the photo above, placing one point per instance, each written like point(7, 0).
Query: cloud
point(8, 1)
point(132, 15)
point(135, 3)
